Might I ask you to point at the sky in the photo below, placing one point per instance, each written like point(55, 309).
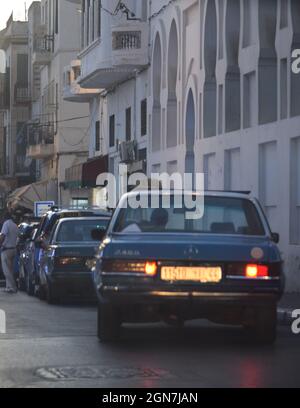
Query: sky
point(6, 7)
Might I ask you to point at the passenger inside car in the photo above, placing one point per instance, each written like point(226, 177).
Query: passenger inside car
point(158, 222)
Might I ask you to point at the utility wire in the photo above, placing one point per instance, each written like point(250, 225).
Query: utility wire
point(161, 10)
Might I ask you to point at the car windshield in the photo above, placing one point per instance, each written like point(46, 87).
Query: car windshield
point(79, 230)
point(222, 215)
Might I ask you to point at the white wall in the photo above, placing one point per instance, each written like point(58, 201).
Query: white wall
point(231, 59)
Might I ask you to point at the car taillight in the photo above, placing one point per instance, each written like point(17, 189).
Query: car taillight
point(134, 267)
point(253, 271)
point(151, 268)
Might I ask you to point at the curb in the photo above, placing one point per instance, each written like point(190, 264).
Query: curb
point(285, 317)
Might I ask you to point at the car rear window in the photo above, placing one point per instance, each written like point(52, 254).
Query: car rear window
point(222, 215)
point(54, 217)
point(79, 230)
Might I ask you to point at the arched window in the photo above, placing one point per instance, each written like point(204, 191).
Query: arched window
point(232, 80)
point(190, 130)
point(156, 115)
point(210, 57)
point(172, 82)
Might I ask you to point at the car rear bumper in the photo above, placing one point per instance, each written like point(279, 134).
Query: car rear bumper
point(125, 295)
point(73, 284)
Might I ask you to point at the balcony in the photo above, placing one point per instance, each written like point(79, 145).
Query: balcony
point(42, 47)
point(22, 94)
point(40, 151)
point(41, 142)
point(116, 57)
point(73, 92)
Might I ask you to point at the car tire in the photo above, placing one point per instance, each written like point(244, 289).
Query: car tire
point(40, 292)
point(51, 296)
point(108, 323)
point(22, 280)
point(264, 328)
point(29, 286)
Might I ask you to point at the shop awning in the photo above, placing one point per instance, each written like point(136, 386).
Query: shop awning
point(26, 196)
point(85, 175)
point(92, 169)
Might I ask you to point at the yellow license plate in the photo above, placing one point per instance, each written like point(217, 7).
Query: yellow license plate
point(191, 274)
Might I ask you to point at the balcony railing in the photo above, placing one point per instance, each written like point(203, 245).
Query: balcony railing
point(22, 94)
point(41, 134)
point(117, 57)
point(42, 49)
point(41, 140)
point(127, 40)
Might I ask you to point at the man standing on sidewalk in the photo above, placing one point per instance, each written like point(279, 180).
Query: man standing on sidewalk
point(8, 243)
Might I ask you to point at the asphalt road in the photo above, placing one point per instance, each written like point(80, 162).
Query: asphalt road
point(56, 346)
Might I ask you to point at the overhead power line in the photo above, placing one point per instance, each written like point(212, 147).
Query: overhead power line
point(161, 10)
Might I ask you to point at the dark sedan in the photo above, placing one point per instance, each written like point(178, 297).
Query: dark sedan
point(158, 264)
point(67, 260)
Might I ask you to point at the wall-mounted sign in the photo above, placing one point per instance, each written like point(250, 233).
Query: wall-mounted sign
point(41, 207)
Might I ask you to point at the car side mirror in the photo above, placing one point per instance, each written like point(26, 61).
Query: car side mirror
point(275, 237)
point(98, 234)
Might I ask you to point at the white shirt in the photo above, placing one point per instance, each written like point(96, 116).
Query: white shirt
point(10, 232)
point(132, 228)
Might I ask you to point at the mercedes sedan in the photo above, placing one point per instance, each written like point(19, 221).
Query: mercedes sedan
point(158, 264)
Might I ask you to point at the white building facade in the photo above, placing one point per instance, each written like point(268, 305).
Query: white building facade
point(201, 86)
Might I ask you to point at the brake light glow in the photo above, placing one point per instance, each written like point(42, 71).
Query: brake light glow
point(69, 261)
point(130, 267)
point(150, 268)
point(256, 271)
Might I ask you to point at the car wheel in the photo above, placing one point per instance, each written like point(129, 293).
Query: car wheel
point(22, 280)
point(51, 296)
point(40, 292)
point(108, 323)
point(264, 328)
point(29, 285)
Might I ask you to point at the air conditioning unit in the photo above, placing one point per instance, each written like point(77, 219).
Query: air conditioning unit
point(127, 151)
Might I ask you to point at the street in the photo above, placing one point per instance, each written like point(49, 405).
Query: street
point(56, 346)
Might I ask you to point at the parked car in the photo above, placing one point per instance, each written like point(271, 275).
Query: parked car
point(42, 235)
point(25, 231)
point(155, 264)
point(27, 261)
point(67, 260)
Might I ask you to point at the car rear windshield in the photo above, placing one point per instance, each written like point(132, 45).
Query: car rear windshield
point(79, 230)
point(222, 215)
point(52, 219)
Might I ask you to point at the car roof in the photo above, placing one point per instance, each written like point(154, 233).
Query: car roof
point(83, 219)
point(211, 193)
point(89, 212)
